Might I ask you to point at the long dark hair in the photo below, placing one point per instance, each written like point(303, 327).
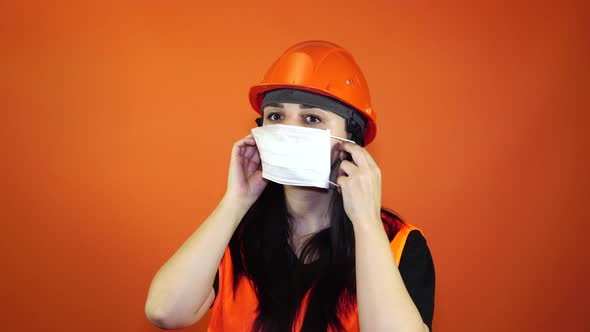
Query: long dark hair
point(260, 251)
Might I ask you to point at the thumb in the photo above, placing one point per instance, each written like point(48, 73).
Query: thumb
point(257, 182)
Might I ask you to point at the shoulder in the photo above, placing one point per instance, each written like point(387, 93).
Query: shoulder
point(416, 247)
point(415, 259)
point(416, 239)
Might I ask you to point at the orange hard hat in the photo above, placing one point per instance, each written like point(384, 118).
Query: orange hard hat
point(324, 68)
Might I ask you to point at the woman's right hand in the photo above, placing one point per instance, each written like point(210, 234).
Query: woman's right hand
point(245, 182)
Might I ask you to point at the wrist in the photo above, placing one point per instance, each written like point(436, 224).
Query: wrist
point(234, 205)
point(368, 226)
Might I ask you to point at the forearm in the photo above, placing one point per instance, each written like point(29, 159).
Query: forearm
point(183, 283)
point(383, 301)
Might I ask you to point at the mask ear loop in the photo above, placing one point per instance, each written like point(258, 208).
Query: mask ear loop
point(334, 184)
point(343, 139)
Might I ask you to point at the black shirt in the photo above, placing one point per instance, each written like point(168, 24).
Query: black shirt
point(416, 268)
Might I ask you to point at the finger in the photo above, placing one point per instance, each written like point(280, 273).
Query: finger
point(253, 163)
point(252, 167)
point(256, 156)
point(249, 140)
point(236, 150)
point(238, 147)
point(342, 155)
point(246, 141)
point(369, 157)
point(359, 155)
point(250, 151)
point(236, 165)
point(341, 181)
point(243, 162)
point(348, 167)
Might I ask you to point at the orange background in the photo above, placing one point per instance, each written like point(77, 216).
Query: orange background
point(118, 119)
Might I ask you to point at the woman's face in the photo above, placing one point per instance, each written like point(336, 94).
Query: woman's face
point(307, 116)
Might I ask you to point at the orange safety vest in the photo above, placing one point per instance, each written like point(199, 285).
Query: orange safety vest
point(237, 313)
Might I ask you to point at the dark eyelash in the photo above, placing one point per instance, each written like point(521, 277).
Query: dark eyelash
point(313, 115)
point(273, 113)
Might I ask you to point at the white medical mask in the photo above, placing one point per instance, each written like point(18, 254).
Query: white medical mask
point(294, 155)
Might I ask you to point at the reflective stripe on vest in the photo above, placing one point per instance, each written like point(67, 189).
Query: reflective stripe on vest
point(237, 312)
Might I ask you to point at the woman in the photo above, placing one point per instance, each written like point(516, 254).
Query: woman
point(309, 250)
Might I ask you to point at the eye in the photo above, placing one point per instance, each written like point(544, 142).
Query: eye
point(310, 118)
point(274, 116)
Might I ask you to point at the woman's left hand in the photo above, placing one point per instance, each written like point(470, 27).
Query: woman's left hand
point(360, 186)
